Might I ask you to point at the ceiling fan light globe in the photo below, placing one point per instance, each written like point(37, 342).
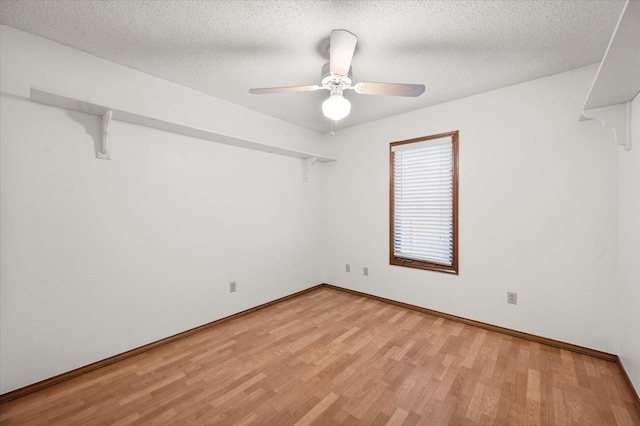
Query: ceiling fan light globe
point(336, 107)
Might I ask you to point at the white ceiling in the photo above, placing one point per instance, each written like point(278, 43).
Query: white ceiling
point(223, 48)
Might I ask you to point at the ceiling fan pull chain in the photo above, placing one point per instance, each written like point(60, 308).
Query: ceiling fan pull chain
point(333, 127)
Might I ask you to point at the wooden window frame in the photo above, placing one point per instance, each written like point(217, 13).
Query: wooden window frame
point(420, 264)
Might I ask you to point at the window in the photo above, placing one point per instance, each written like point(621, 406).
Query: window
point(424, 203)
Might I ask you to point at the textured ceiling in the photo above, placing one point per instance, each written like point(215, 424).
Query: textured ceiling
point(223, 48)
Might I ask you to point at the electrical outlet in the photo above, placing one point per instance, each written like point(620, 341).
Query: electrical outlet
point(366, 271)
point(232, 287)
point(512, 298)
point(347, 267)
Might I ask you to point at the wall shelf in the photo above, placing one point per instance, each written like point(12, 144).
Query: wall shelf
point(617, 82)
point(107, 114)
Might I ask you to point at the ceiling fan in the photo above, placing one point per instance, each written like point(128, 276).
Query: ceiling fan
point(336, 77)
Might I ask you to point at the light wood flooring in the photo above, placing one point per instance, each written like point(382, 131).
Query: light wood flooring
point(329, 357)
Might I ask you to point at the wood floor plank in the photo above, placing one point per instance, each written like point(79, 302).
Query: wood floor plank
point(329, 357)
point(318, 409)
point(398, 417)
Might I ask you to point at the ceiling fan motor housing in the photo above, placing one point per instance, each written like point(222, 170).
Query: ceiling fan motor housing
point(335, 82)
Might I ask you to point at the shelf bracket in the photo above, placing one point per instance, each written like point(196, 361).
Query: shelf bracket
point(617, 117)
point(103, 151)
point(307, 163)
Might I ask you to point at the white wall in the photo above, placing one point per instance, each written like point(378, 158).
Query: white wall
point(98, 257)
point(629, 251)
point(537, 212)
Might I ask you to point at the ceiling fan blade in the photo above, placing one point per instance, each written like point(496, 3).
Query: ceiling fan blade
point(289, 89)
point(341, 47)
point(390, 89)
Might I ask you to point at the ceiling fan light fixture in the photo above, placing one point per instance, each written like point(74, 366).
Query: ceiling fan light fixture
point(336, 107)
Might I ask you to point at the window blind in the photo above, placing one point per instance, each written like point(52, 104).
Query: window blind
point(423, 201)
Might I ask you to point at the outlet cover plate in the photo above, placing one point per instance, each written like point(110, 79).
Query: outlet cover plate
point(512, 298)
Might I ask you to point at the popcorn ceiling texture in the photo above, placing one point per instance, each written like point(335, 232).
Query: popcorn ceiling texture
point(223, 48)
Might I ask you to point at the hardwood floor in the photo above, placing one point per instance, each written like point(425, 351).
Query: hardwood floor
point(329, 357)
